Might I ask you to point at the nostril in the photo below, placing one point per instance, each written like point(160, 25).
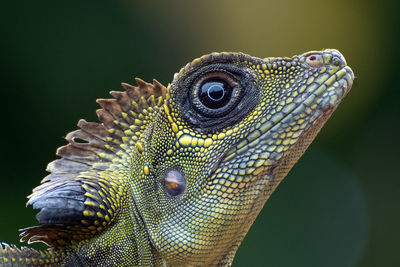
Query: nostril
point(313, 58)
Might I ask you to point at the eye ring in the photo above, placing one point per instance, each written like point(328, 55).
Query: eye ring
point(215, 93)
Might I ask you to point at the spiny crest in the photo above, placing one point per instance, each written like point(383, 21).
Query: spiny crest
point(82, 195)
point(123, 119)
point(11, 255)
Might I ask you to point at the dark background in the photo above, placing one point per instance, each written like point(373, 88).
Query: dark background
point(339, 206)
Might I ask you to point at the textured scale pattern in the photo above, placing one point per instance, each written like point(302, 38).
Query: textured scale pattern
point(104, 202)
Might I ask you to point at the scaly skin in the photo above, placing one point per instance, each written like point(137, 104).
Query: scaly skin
point(109, 201)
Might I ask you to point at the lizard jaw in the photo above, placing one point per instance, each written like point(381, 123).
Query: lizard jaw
point(322, 99)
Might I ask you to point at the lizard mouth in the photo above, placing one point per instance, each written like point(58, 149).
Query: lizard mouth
point(334, 89)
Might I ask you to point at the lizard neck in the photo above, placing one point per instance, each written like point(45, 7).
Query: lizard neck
point(125, 243)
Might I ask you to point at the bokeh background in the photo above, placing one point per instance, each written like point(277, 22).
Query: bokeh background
point(339, 206)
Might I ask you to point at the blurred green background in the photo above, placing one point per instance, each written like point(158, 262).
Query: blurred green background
point(339, 206)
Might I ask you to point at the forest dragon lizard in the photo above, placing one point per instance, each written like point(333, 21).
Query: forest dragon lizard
point(176, 175)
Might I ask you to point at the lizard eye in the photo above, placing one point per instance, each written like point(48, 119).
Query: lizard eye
point(174, 183)
point(216, 94)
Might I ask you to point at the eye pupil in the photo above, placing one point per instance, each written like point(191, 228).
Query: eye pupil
point(215, 93)
point(215, 90)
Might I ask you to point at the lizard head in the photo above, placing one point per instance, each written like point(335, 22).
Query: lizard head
point(230, 129)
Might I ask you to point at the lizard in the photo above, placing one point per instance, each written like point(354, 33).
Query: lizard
point(176, 175)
